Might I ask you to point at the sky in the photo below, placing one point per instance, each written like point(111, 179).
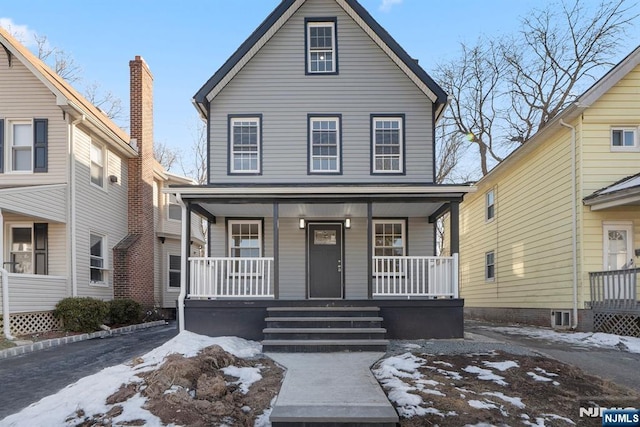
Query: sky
point(89, 393)
point(184, 42)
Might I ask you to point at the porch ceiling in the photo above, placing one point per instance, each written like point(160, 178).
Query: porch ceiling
point(322, 210)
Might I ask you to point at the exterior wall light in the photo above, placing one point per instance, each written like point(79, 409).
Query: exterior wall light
point(347, 223)
point(301, 223)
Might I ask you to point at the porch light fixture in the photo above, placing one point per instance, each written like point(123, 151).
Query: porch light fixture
point(347, 223)
point(301, 223)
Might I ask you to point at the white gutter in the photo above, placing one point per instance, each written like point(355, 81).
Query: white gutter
point(184, 263)
point(73, 231)
point(574, 223)
point(4, 277)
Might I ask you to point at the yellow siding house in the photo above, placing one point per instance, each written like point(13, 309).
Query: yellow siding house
point(552, 236)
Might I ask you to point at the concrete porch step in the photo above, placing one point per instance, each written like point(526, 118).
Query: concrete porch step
point(323, 346)
point(323, 333)
point(324, 322)
point(323, 311)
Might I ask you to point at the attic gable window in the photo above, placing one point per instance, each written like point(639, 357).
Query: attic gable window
point(624, 139)
point(321, 52)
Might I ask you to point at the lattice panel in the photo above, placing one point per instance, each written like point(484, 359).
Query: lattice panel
point(618, 324)
point(30, 323)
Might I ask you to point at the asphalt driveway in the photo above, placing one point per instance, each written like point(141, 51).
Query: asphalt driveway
point(619, 366)
point(30, 377)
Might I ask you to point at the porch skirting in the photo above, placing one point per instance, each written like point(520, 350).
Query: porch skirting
point(403, 319)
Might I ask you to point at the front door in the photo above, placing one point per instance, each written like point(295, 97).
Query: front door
point(324, 255)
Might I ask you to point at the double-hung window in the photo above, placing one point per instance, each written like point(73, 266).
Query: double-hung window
point(324, 141)
point(387, 144)
point(28, 248)
point(245, 238)
point(174, 210)
point(97, 165)
point(490, 205)
point(321, 47)
point(624, 139)
point(389, 242)
point(175, 267)
point(244, 145)
point(97, 254)
point(490, 266)
point(23, 145)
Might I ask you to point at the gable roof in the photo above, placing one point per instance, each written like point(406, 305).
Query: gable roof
point(572, 111)
point(66, 96)
point(281, 15)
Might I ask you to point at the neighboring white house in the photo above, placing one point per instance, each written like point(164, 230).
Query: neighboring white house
point(65, 194)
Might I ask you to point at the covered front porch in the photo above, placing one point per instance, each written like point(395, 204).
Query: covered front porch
point(329, 246)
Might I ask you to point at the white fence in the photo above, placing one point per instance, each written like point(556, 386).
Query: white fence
point(231, 277)
point(414, 276)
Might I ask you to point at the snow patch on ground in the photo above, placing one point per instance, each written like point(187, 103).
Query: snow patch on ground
point(502, 366)
point(542, 379)
point(246, 376)
point(485, 375)
point(515, 401)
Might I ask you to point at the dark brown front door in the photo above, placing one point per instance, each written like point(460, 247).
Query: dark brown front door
point(324, 255)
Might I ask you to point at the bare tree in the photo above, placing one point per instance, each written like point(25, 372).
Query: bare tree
point(504, 90)
point(61, 62)
point(196, 165)
point(165, 155)
point(107, 102)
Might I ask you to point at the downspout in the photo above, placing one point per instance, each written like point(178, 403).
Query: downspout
point(4, 277)
point(183, 263)
point(574, 223)
point(72, 206)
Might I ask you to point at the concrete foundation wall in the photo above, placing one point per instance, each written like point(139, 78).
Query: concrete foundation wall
point(527, 316)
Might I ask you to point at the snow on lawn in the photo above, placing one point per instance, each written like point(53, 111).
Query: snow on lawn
point(582, 339)
point(246, 376)
point(90, 393)
point(537, 377)
point(502, 366)
point(485, 375)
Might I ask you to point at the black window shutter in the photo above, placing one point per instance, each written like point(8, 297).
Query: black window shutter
point(1, 146)
point(40, 140)
point(41, 244)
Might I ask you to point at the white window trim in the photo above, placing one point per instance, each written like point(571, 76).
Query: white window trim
point(335, 119)
point(402, 222)
point(316, 24)
point(232, 222)
point(616, 225)
point(104, 165)
point(105, 257)
point(401, 165)
point(9, 241)
point(8, 154)
point(486, 205)
point(169, 287)
point(636, 142)
point(486, 267)
point(232, 153)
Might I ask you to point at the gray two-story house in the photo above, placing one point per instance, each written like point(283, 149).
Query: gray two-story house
point(321, 187)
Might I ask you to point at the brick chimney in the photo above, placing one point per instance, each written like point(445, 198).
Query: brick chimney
point(134, 255)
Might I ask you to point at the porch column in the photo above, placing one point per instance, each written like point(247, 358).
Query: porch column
point(1, 240)
point(455, 227)
point(276, 250)
point(186, 250)
point(369, 250)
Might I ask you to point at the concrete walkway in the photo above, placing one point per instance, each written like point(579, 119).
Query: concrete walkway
point(331, 388)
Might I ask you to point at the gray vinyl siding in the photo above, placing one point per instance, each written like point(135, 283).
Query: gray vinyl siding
point(420, 237)
point(44, 202)
point(23, 96)
point(355, 260)
point(169, 297)
point(274, 85)
point(293, 250)
point(99, 211)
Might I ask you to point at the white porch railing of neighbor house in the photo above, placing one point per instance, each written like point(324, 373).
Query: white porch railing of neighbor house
point(231, 277)
point(615, 290)
point(415, 276)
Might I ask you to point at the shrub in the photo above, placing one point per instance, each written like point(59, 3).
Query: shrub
point(124, 311)
point(81, 314)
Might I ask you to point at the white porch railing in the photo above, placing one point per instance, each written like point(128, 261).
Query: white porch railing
point(231, 277)
point(415, 276)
